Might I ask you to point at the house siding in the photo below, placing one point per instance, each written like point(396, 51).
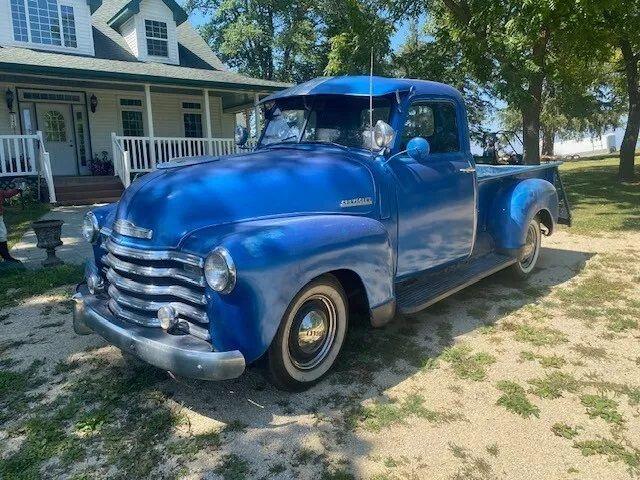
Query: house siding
point(156, 10)
point(129, 34)
point(84, 32)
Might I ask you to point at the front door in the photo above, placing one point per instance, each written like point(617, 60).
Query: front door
point(56, 123)
point(436, 197)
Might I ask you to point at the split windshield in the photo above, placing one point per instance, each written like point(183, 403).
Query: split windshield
point(340, 119)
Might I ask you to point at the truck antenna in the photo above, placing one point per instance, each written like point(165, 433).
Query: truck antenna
point(371, 103)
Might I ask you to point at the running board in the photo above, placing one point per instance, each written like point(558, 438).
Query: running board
point(418, 293)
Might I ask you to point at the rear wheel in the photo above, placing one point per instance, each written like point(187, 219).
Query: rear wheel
point(527, 263)
point(310, 335)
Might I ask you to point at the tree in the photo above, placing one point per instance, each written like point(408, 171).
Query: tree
point(440, 59)
point(511, 46)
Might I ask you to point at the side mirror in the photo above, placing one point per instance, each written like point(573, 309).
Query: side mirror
point(383, 134)
point(241, 135)
point(418, 149)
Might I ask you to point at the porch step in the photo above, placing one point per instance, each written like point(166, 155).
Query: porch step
point(87, 190)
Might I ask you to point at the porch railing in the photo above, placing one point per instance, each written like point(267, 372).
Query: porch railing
point(142, 154)
point(26, 155)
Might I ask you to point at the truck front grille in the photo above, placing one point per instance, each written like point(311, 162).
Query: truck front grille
point(143, 281)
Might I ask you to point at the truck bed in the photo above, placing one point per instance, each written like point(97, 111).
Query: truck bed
point(490, 172)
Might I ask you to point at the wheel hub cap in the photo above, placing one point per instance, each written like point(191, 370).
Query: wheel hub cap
point(312, 332)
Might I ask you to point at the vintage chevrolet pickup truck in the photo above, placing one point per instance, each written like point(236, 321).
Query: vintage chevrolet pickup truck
point(212, 263)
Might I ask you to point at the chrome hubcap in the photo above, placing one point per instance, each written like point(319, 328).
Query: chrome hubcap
point(312, 332)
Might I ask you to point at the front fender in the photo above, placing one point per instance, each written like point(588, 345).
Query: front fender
point(275, 258)
point(515, 207)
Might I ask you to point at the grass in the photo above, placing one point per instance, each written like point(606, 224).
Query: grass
point(553, 385)
point(599, 406)
point(18, 218)
point(233, 467)
point(565, 431)
point(468, 365)
point(537, 336)
point(514, 398)
point(19, 285)
point(613, 450)
point(381, 415)
point(598, 202)
point(546, 361)
point(588, 351)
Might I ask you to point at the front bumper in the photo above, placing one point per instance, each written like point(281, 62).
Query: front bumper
point(183, 355)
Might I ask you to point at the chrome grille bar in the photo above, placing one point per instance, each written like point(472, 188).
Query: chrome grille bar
point(156, 272)
point(152, 306)
point(154, 254)
point(141, 288)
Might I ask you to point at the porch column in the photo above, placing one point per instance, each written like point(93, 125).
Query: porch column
point(207, 114)
point(256, 113)
point(152, 143)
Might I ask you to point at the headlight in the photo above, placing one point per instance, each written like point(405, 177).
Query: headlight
point(220, 271)
point(90, 229)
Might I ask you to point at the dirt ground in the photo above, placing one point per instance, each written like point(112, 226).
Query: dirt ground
point(532, 381)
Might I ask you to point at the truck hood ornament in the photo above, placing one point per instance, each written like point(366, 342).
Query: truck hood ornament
point(129, 229)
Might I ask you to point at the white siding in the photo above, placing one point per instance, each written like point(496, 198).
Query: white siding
point(129, 34)
point(84, 33)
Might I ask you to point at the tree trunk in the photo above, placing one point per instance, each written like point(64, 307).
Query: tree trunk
point(630, 139)
point(531, 133)
point(548, 140)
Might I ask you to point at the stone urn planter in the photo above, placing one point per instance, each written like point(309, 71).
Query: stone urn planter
point(48, 233)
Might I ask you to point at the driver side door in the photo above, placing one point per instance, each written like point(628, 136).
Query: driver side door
point(436, 197)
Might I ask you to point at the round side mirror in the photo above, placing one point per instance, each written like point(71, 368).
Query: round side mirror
point(383, 134)
point(241, 135)
point(418, 149)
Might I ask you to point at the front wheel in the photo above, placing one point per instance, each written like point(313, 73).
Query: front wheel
point(523, 267)
point(310, 335)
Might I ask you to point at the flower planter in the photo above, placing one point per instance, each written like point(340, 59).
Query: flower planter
point(48, 233)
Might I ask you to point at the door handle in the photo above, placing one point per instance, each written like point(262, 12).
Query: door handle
point(468, 170)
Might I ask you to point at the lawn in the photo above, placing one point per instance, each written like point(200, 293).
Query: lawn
point(598, 202)
point(18, 218)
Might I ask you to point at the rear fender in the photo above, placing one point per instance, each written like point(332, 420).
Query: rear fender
point(514, 208)
point(276, 258)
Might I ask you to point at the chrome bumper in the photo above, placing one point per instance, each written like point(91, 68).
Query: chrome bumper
point(183, 355)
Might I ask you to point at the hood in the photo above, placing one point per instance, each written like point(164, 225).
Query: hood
point(291, 180)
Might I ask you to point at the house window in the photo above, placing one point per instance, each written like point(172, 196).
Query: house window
point(44, 22)
point(132, 125)
point(156, 33)
point(19, 18)
point(54, 127)
point(130, 102)
point(193, 125)
point(68, 26)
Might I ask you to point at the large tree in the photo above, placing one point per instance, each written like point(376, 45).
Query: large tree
point(512, 46)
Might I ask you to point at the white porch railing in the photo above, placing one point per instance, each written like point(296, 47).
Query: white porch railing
point(25, 155)
point(142, 154)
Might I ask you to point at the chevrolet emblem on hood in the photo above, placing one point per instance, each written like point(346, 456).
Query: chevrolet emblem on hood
point(127, 228)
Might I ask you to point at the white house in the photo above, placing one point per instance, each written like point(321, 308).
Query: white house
point(126, 80)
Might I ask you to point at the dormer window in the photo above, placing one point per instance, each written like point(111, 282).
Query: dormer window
point(156, 33)
point(44, 22)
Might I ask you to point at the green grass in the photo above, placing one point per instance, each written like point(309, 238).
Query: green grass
point(565, 431)
point(613, 450)
point(233, 467)
point(546, 361)
point(598, 202)
point(18, 218)
point(514, 398)
point(599, 406)
point(18, 285)
point(553, 385)
point(468, 365)
point(381, 415)
point(537, 336)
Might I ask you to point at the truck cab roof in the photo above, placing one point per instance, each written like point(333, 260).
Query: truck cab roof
point(361, 86)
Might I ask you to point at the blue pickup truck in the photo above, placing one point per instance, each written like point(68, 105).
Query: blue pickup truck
point(361, 194)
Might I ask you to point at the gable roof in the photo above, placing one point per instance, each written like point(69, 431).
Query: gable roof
point(199, 66)
point(133, 7)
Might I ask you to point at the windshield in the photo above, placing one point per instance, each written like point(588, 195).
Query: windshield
point(337, 119)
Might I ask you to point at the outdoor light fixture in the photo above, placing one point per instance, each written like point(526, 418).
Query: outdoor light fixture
point(8, 96)
point(93, 103)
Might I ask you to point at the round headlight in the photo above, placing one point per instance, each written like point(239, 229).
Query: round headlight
point(220, 271)
point(90, 228)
